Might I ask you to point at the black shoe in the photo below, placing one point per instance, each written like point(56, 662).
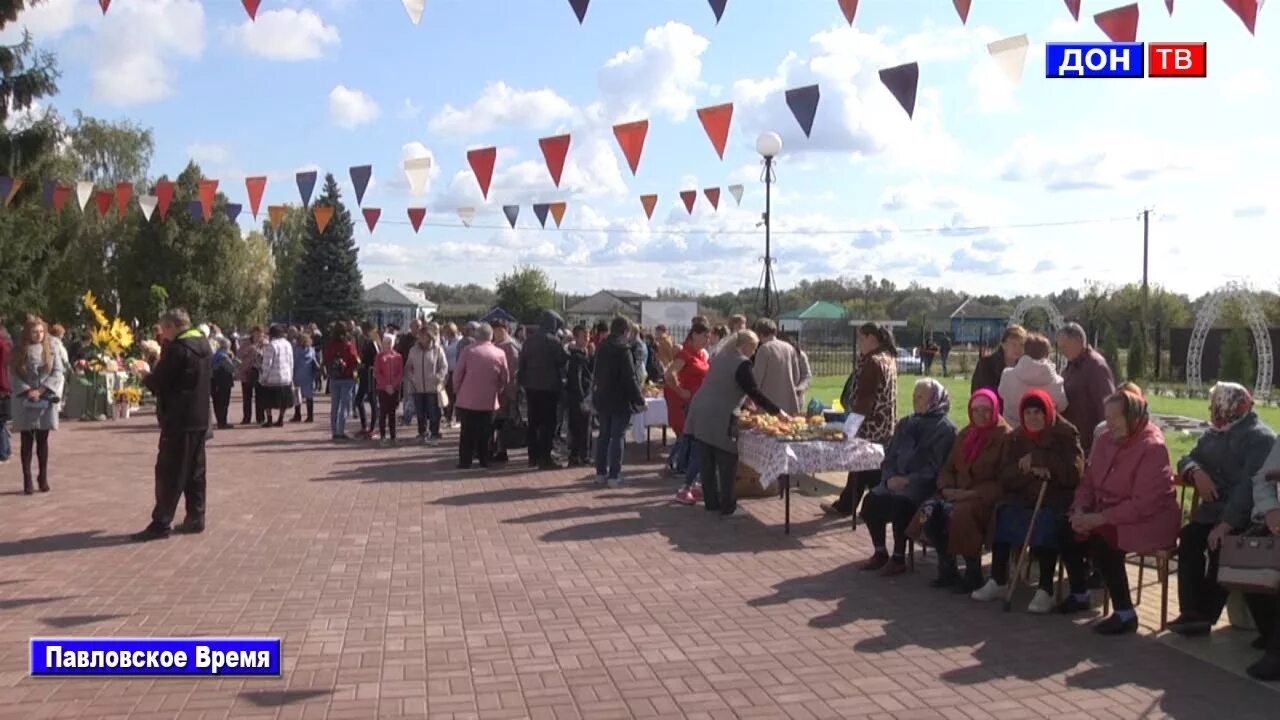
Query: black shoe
point(1190, 626)
point(1073, 606)
point(831, 509)
point(309, 419)
point(460, 466)
point(27, 487)
point(549, 464)
point(1114, 625)
point(190, 526)
point(152, 532)
point(42, 482)
point(969, 584)
point(945, 581)
point(1267, 669)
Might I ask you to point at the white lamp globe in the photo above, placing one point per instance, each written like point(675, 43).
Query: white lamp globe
point(769, 144)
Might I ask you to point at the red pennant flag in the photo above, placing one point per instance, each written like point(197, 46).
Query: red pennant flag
point(649, 202)
point(255, 186)
point(323, 213)
point(124, 191)
point(631, 139)
point(164, 195)
point(557, 211)
point(104, 4)
point(103, 198)
point(1169, 4)
point(251, 7)
point(208, 188)
point(689, 197)
point(61, 193)
point(555, 149)
point(849, 8)
point(713, 195)
point(1247, 11)
point(716, 120)
point(415, 217)
point(962, 7)
point(371, 216)
point(1073, 6)
point(482, 161)
point(1120, 24)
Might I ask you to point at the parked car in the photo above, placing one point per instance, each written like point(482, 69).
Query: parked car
point(909, 361)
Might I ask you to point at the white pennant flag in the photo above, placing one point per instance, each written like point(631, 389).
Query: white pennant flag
point(148, 204)
point(1011, 55)
point(84, 191)
point(736, 192)
point(418, 172)
point(466, 215)
point(415, 8)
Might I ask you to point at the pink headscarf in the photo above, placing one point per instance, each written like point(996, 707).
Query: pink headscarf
point(976, 439)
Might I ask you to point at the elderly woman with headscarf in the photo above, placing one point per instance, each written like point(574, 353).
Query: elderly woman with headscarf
point(955, 521)
point(908, 475)
point(1045, 450)
point(1125, 504)
point(1221, 468)
point(1265, 607)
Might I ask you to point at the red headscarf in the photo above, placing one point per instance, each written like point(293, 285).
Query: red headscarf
point(1036, 398)
point(976, 439)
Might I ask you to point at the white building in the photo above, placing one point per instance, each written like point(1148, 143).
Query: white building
point(391, 304)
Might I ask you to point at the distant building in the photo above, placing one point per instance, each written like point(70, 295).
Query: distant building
point(821, 316)
point(971, 322)
point(390, 304)
point(604, 306)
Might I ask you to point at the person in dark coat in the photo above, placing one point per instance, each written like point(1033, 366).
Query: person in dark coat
point(577, 398)
point(542, 363)
point(224, 379)
point(1088, 382)
point(989, 370)
point(617, 396)
point(181, 382)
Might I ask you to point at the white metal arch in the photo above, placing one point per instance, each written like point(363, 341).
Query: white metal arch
point(1055, 318)
point(1257, 324)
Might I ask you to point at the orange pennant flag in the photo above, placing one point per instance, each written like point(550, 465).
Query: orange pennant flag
point(962, 7)
point(208, 188)
point(631, 139)
point(275, 213)
point(255, 186)
point(124, 191)
point(649, 202)
point(849, 8)
point(323, 213)
point(557, 211)
point(713, 195)
point(716, 120)
point(689, 197)
point(482, 161)
point(554, 150)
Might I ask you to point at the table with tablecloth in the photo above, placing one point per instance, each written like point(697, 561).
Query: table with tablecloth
point(653, 416)
point(776, 461)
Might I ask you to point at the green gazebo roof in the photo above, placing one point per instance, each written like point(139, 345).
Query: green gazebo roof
point(821, 310)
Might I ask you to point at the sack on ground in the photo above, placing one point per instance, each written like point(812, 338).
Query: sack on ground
point(747, 484)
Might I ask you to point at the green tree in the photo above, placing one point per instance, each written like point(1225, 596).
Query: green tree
point(526, 292)
point(1111, 348)
point(286, 241)
point(1136, 364)
point(1237, 364)
point(327, 284)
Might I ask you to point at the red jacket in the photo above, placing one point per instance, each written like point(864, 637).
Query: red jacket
point(340, 359)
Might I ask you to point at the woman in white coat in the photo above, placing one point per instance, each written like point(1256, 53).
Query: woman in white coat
point(425, 373)
point(1033, 370)
point(36, 374)
point(276, 377)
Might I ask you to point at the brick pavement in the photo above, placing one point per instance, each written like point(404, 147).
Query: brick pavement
point(405, 589)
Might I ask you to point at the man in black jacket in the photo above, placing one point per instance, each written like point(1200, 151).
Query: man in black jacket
point(181, 383)
point(617, 396)
point(541, 373)
point(578, 397)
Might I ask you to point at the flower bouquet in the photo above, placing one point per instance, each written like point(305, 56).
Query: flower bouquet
point(110, 339)
point(124, 401)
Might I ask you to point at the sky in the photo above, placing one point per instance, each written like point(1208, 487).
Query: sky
point(992, 187)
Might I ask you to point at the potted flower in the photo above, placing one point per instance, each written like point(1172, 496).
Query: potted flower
point(125, 400)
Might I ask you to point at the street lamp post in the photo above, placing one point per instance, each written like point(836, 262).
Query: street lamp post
point(769, 144)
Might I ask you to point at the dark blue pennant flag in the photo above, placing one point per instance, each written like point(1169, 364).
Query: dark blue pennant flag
point(196, 210)
point(512, 212)
point(803, 102)
point(540, 209)
point(360, 175)
point(306, 185)
point(902, 82)
point(717, 7)
point(579, 9)
point(233, 211)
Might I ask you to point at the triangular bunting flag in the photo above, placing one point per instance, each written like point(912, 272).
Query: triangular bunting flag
point(579, 9)
point(196, 211)
point(46, 193)
point(251, 7)
point(360, 175)
point(902, 81)
point(84, 191)
point(689, 197)
point(255, 186)
point(13, 190)
point(1073, 6)
point(1247, 11)
point(849, 8)
point(306, 185)
point(233, 211)
point(275, 213)
point(962, 8)
point(716, 120)
point(482, 161)
point(124, 191)
point(208, 189)
point(631, 139)
point(1011, 55)
point(717, 7)
point(415, 217)
point(415, 8)
point(555, 149)
point(164, 196)
point(148, 205)
point(540, 210)
point(713, 196)
point(61, 193)
point(557, 211)
point(323, 214)
point(1120, 24)
point(6, 188)
point(803, 102)
point(371, 216)
point(649, 202)
point(466, 215)
point(418, 172)
point(103, 199)
point(512, 212)
point(104, 4)
point(736, 192)
point(1169, 5)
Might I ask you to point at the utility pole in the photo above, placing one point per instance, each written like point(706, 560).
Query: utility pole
point(1146, 254)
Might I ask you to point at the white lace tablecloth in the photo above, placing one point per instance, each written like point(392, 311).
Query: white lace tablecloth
point(654, 415)
point(773, 459)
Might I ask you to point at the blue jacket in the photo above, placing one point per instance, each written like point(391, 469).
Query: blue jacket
point(918, 450)
point(305, 365)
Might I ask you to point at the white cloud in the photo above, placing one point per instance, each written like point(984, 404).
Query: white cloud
point(1100, 161)
point(386, 255)
point(134, 65)
point(1248, 82)
point(661, 75)
point(409, 110)
point(351, 108)
point(501, 105)
point(208, 153)
point(47, 20)
point(288, 35)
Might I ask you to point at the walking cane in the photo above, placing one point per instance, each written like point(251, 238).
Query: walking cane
point(1026, 547)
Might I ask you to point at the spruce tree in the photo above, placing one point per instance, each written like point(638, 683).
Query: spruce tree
point(1111, 348)
point(327, 284)
point(1236, 358)
point(1136, 365)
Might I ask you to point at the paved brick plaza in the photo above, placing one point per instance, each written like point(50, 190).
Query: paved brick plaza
point(403, 589)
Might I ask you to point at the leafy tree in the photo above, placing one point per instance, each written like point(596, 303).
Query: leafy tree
point(1136, 364)
point(526, 292)
point(1111, 348)
point(110, 152)
point(286, 241)
point(327, 284)
point(1237, 363)
point(469, 294)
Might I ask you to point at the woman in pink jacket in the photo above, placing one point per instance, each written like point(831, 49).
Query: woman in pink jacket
point(388, 373)
point(1124, 504)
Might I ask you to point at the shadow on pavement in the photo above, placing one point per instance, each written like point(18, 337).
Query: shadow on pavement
point(280, 698)
point(60, 543)
point(70, 621)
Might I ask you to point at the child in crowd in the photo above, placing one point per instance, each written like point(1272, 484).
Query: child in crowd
point(388, 372)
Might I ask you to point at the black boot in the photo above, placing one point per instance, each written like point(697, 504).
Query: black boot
point(191, 525)
point(311, 410)
point(297, 414)
point(154, 531)
point(948, 573)
point(42, 459)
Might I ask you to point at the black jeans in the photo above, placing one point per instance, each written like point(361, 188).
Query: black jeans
point(247, 389)
point(543, 418)
point(365, 392)
point(856, 485)
point(388, 402)
point(1199, 593)
point(579, 431)
point(473, 440)
point(222, 402)
point(180, 471)
point(1108, 560)
point(428, 409)
point(448, 410)
point(719, 475)
point(880, 511)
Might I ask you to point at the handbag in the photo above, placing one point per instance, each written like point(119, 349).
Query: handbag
point(1250, 563)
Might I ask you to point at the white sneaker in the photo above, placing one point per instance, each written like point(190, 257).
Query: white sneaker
point(1041, 604)
point(990, 591)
